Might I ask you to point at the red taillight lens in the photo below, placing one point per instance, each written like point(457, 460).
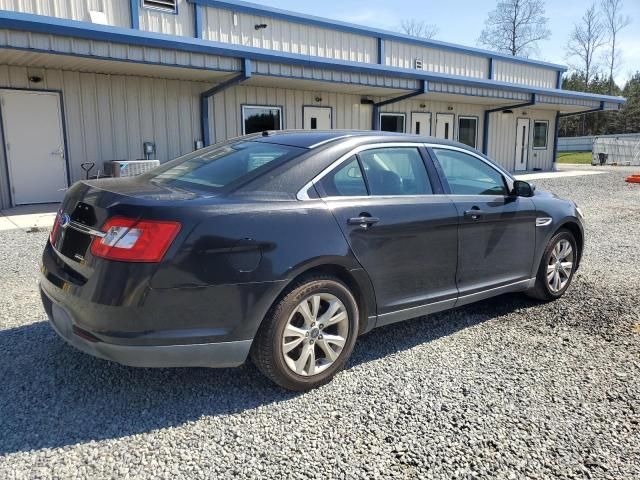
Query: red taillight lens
point(55, 229)
point(131, 240)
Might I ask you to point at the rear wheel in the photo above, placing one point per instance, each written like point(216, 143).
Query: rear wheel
point(308, 335)
point(557, 267)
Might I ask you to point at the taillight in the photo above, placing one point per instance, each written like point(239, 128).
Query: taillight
point(131, 240)
point(56, 228)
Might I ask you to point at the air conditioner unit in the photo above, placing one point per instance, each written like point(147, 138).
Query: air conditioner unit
point(129, 168)
point(418, 64)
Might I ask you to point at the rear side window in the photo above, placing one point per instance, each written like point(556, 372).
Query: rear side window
point(395, 171)
point(345, 181)
point(468, 175)
point(214, 168)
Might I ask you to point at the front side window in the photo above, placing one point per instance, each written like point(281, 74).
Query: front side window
point(212, 169)
point(468, 131)
point(392, 122)
point(395, 171)
point(540, 133)
point(256, 119)
point(345, 181)
point(468, 175)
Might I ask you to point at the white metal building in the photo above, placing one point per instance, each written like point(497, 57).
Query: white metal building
point(93, 80)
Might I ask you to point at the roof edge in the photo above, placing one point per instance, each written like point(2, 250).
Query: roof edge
point(248, 7)
point(88, 31)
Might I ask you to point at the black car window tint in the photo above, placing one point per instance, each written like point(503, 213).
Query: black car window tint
point(395, 171)
point(344, 181)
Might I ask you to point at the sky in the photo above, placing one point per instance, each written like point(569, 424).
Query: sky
point(460, 21)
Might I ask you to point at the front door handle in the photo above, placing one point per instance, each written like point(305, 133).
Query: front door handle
point(474, 214)
point(363, 221)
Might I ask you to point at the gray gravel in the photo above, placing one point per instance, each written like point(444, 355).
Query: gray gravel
point(507, 388)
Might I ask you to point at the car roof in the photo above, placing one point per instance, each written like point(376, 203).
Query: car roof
point(316, 138)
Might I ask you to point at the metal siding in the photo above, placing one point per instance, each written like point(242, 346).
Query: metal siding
point(404, 55)
point(502, 138)
point(116, 11)
point(226, 116)
point(288, 37)
point(181, 23)
point(108, 50)
point(524, 74)
point(108, 117)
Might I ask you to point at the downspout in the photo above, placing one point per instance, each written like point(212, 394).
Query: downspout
point(204, 98)
point(135, 14)
point(485, 133)
point(424, 88)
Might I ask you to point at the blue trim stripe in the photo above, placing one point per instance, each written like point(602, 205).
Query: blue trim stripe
point(198, 19)
point(381, 59)
point(135, 14)
point(255, 9)
point(88, 31)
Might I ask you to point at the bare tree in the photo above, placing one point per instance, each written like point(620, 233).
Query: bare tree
point(515, 27)
point(586, 38)
point(418, 28)
point(614, 22)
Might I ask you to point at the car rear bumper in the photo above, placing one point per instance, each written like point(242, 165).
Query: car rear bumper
point(211, 355)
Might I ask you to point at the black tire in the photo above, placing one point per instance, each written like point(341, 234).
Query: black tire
point(542, 290)
point(267, 349)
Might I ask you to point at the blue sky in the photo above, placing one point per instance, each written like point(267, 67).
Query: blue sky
point(460, 21)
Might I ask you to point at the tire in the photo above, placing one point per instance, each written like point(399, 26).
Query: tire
point(301, 361)
point(546, 288)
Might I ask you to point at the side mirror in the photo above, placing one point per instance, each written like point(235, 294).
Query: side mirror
point(523, 189)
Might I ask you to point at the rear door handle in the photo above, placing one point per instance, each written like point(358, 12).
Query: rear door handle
point(363, 221)
point(474, 214)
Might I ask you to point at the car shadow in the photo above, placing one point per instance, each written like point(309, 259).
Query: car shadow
point(52, 395)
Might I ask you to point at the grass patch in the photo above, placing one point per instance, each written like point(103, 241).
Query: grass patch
point(575, 157)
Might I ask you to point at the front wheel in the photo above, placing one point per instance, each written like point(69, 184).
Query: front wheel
point(557, 267)
point(308, 335)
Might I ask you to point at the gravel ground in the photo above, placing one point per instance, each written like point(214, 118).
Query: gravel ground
point(508, 388)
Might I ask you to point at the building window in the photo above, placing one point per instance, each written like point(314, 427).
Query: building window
point(468, 131)
point(257, 118)
point(540, 134)
point(392, 122)
point(170, 6)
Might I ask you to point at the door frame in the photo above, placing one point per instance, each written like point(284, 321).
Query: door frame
point(317, 106)
point(430, 122)
point(453, 125)
point(65, 140)
point(515, 150)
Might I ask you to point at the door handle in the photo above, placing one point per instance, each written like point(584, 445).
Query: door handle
point(474, 214)
point(363, 221)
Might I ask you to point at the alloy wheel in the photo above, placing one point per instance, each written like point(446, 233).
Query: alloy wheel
point(560, 266)
point(315, 334)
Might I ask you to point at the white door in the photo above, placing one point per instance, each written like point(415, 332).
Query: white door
point(421, 123)
point(316, 118)
point(35, 146)
point(444, 125)
point(522, 144)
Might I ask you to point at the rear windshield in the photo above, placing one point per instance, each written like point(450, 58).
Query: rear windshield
point(217, 167)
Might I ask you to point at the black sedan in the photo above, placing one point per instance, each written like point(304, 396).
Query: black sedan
point(286, 246)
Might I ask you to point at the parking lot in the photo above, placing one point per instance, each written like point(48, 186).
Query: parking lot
point(508, 388)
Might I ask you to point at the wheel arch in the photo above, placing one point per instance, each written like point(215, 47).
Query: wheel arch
point(354, 277)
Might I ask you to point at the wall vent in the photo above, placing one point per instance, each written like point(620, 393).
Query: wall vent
point(418, 64)
point(164, 5)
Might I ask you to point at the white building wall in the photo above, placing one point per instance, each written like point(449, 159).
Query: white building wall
point(502, 138)
point(524, 74)
point(181, 23)
point(226, 116)
point(108, 117)
point(118, 12)
point(404, 55)
point(280, 35)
